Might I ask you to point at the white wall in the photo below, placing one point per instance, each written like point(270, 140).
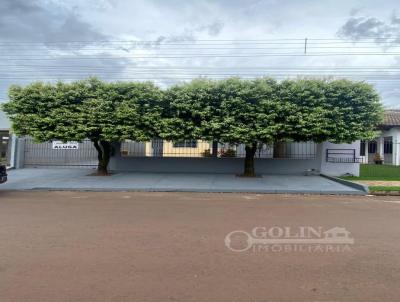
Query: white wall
point(338, 169)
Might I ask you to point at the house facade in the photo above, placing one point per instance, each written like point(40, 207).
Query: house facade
point(387, 144)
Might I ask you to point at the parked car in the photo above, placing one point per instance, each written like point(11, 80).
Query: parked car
point(3, 174)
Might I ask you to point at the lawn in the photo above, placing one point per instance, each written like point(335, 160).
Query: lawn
point(377, 172)
point(384, 188)
point(373, 172)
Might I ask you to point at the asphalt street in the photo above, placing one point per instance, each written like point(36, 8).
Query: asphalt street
point(154, 246)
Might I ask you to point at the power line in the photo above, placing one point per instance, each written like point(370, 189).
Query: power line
point(180, 71)
point(55, 77)
point(204, 56)
point(300, 39)
point(291, 67)
point(112, 69)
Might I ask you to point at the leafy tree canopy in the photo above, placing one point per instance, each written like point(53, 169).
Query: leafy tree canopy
point(102, 112)
point(235, 111)
point(339, 111)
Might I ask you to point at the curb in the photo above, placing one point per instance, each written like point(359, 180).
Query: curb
point(361, 187)
point(192, 190)
point(385, 193)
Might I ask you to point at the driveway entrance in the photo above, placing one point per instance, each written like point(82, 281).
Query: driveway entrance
point(42, 154)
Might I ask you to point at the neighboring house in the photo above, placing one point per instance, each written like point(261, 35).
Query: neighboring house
point(387, 144)
point(199, 148)
point(4, 135)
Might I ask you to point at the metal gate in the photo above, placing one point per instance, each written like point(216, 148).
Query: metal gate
point(43, 154)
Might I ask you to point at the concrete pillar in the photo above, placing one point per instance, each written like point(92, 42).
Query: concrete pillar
point(393, 151)
point(366, 157)
point(12, 148)
point(395, 155)
point(380, 146)
point(20, 153)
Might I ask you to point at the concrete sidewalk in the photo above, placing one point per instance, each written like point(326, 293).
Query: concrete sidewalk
point(78, 179)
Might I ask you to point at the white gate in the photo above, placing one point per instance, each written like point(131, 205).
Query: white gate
point(43, 154)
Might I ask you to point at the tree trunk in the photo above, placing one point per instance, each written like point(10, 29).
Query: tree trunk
point(279, 150)
point(103, 155)
point(249, 160)
point(214, 149)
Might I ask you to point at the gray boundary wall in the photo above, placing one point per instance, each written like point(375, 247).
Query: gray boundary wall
point(211, 165)
point(235, 165)
point(222, 165)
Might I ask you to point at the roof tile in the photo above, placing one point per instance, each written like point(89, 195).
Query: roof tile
point(391, 118)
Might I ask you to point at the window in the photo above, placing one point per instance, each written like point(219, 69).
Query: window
point(387, 146)
point(185, 144)
point(362, 148)
point(372, 147)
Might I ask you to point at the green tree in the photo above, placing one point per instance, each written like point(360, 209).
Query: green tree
point(354, 110)
point(262, 111)
point(248, 113)
point(233, 111)
point(187, 110)
point(119, 111)
point(340, 111)
point(306, 112)
point(105, 113)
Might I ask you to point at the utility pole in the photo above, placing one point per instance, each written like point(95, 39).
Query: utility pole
point(305, 45)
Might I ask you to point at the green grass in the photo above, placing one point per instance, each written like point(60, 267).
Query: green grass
point(384, 188)
point(377, 172)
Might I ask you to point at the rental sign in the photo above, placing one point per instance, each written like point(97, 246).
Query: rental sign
point(59, 145)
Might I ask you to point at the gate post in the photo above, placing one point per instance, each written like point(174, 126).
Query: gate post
point(12, 142)
point(19, 152)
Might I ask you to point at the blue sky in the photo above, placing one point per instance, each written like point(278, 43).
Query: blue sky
point(34, 36)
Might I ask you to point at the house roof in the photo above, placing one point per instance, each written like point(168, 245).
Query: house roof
point(391, 118)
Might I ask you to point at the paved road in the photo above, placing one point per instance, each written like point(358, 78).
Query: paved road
point(87, 246)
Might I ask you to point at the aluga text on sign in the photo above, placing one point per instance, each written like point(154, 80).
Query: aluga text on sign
point(59, 145)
